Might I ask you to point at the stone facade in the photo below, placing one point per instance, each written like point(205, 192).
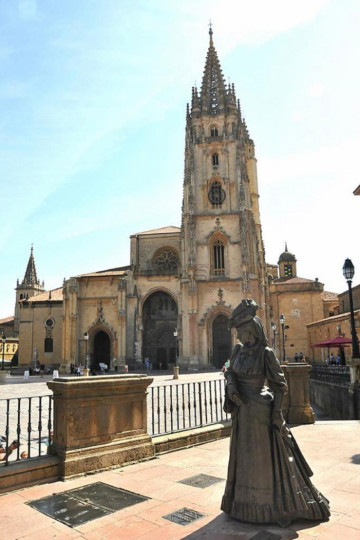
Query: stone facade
point(40, 321)
point(301, 301)
point(329, 327)
point(172, 303)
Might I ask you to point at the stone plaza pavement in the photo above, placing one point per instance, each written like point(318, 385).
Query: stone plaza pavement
point(331, 448)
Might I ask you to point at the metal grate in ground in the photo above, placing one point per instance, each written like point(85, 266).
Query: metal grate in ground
point(184, 516)
point(201, 481)
point(78, 506)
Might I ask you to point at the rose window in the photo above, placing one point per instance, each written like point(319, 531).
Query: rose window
point(166, 261)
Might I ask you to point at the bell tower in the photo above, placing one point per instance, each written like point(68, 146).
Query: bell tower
point(30, 286)
point(222, 246)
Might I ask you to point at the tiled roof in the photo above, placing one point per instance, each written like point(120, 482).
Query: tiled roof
point(105, 273)
point(54, 294)
point(329, 296)
point(7, 320)
point(162, 230)
point(291, 281)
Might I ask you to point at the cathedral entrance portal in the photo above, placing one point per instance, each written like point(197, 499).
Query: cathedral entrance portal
point(101, 350)
point(160, 317)
point(221, 341)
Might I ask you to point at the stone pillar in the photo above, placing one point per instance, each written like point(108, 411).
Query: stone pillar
point(354, 364)
point(296, 406)
point(100, 422)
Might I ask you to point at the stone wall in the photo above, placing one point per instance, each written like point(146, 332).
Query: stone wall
point(335, 401)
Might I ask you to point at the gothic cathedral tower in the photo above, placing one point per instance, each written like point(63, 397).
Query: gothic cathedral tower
point(222, 248)
point(30, 286)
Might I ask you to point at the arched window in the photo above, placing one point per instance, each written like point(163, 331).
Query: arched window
point(215, 160)
point(216, 195)
point(49, 345)
point(214, 132)
point(219, 258)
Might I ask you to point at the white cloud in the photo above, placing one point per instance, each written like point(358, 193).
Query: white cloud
point(316, 89)
point(258, 21)
point(324, 161)
point(296, 115)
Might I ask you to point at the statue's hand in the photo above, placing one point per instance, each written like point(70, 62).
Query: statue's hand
point(277, 420)
point(237, 399)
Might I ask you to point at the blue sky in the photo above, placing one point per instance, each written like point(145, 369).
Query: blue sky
point(93, 96)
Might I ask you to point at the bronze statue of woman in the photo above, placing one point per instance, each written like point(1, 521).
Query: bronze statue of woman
point(268, 477)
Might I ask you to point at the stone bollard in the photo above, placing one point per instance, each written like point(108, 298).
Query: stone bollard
point(100, 422)
point(176, 372)
point(296, 405)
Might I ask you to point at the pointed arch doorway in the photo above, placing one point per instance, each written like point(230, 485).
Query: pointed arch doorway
point(160, 319)
point(221, 341)
point(101, 350)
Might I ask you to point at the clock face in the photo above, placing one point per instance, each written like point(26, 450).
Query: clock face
point(288, 270)
point(216, 194)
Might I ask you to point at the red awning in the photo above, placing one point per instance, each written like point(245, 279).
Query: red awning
point(339, 341)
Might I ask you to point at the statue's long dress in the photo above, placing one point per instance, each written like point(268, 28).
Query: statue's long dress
point(268, 477)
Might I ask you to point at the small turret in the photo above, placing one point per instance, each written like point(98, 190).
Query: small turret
point(287, 264)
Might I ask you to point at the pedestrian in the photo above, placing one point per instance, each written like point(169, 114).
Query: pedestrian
point(301, 357)
point(78, 372)
point(147, 364)
point(332, 359)
point(338, 360)
point(296, 357)
point(115, 364)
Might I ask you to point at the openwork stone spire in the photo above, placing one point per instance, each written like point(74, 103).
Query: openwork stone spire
point(30, 278)
point(213, 95)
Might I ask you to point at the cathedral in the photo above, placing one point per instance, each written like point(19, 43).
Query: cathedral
point(172, 303)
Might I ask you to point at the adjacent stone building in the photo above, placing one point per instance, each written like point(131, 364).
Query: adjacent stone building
point(300, 301)
point(327, 328)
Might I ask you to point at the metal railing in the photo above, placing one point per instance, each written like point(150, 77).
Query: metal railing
point(331, 374)
point(179, 407)
point(25, 427)
point(26, 423)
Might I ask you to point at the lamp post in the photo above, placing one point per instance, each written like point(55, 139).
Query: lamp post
point(348, 273)
point(282, 324)
point(176, 367)
point(3, 341)
point(273, 327)
point(86, 338)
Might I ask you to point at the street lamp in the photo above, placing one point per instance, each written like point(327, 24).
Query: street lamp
point(177, 346)
point(176, 367)
point(348, 273)
point(3, 341)
point(282, 324)
point(273, 326)
point(86, 337)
